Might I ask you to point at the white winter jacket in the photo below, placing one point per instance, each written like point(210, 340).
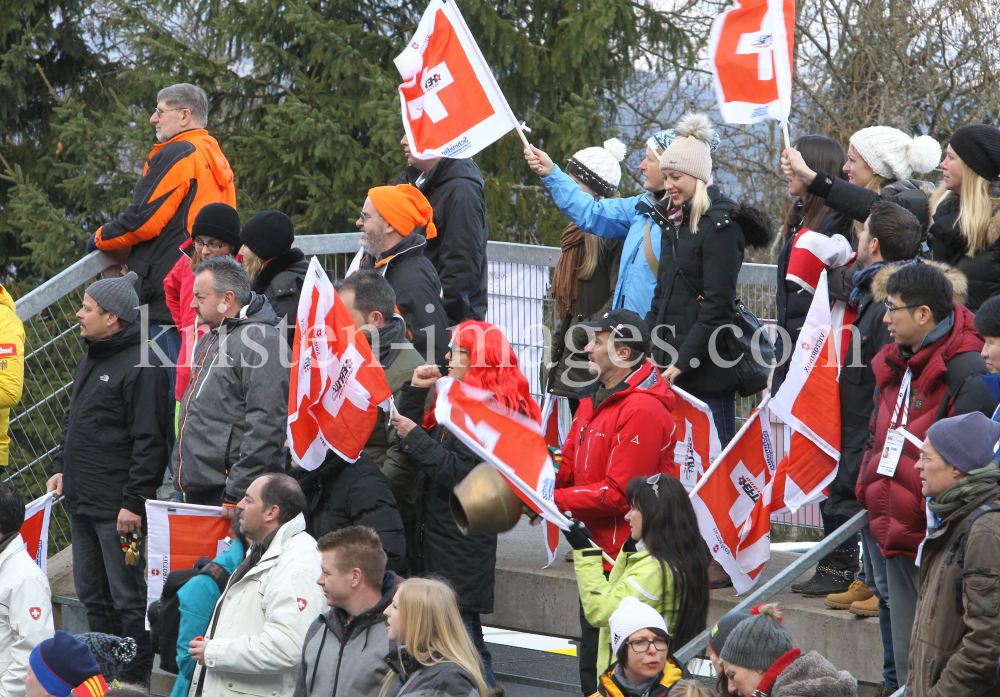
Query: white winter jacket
point(25, 615)
point(256, 646)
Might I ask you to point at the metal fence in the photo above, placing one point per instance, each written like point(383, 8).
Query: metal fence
point(520, 302)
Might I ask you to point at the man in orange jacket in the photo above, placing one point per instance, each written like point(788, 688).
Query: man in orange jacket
point(184, 173)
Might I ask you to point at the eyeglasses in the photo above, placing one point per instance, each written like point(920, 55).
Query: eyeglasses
point(214, 245)
point(927, 458)
point(642, 645)
point(890, 309)
point(654, 482)
point(160, 112)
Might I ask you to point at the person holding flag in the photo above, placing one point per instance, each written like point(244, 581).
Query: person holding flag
point(481, 357)
point(622, 429)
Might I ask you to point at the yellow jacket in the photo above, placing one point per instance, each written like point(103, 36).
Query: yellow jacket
point(11, 367)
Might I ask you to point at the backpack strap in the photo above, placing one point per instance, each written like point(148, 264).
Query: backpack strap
point(218, 574)
point(957, 551)
point(647, 247)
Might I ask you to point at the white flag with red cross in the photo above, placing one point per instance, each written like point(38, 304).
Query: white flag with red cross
point(512, 443)
point(336, 387)
point(178, 534)
point(750, 50)
point(809, 402)
point(698, 443)
point(730, 489)
point(35, 530)
point(452, 105)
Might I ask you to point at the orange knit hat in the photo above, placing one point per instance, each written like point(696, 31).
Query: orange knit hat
point(404, 207)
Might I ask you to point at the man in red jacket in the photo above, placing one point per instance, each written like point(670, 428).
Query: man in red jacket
point(931, 371)
point(622, 429)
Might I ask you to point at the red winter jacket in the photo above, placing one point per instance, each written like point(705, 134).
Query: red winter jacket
point(178, 288)
point(630, 434)
point(895, 505)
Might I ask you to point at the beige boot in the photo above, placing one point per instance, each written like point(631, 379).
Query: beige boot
point(866, 608)
point(842, 601)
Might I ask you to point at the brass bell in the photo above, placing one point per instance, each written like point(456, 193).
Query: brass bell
point(483, 502)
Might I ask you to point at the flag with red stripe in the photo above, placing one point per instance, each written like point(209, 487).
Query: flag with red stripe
point(698, 443)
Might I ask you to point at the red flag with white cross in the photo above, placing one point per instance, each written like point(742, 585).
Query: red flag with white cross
point(452, 105)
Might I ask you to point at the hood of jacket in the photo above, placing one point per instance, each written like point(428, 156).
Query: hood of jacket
point(757, 226)
point(210, 147)
point(257, 311)
point(812, 675)
point(275, 266)
point(445, 170)
point(959, 283)
point(644, 379)
point(413, 244)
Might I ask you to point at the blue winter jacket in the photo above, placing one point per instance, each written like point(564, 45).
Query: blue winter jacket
point(993, 385)
point(615, 219)
point(198, 597)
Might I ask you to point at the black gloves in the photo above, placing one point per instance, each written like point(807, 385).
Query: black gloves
point(578, 536)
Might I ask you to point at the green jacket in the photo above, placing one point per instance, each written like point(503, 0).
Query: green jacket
point(635, 573)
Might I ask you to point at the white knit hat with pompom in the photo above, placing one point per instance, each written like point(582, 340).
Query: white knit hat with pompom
point(894, 155)
point(599, 168)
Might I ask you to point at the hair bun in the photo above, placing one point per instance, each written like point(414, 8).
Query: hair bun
point(616, 148)
point(923, 154)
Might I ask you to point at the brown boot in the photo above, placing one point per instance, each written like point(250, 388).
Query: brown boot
point(842, 601)
point(569, 556)
point(865, 608)
point(717, 576)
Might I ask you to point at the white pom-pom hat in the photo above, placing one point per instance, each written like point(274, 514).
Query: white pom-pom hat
point(894, 155)
point(631, 616)
point(599, 168)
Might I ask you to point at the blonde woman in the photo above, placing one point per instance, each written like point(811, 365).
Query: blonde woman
point(435, 654)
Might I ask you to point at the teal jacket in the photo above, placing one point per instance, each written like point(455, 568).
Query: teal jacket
point(198, 597)
point(635, 573)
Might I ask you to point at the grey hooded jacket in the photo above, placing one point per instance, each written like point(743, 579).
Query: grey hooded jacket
point(233, 414)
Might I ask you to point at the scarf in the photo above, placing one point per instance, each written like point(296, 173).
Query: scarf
point(565, 287)
point(390, 338)
point(863, 282)
point(974, 484)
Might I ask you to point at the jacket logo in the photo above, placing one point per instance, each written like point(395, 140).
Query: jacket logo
point(8, 350)
point(36, 612)
point(3, 365)
point(635, 440)
point(302, 604)
point(105, 378)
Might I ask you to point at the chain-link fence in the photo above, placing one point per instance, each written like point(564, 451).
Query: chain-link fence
point(520, 302)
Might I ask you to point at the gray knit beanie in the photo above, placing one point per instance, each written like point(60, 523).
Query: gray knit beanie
point(117, 296)
point(758, 642)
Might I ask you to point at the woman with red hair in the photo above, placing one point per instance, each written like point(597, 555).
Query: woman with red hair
point(480, 356)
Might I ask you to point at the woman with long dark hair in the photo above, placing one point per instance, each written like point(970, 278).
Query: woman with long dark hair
point(664, 564)
point(480, 356)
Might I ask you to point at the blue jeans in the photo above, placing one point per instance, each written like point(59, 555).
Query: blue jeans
point(877, 580)
point(113, 592)
point(723, 406)
point(168, 340)
point(474, 626)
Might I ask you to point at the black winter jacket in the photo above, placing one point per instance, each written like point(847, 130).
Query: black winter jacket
point(467, 561)
point(455, 191)
point(857, 201)
point(114, 450)
point(280, 281)
point(417, 287)
point(949, 245)
point(444, 679)
point(340, 494)
point(696, 289)
point(791, 299)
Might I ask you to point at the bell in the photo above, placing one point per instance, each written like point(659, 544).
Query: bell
point(483, 502)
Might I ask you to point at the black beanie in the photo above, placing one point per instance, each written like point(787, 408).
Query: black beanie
point(987, 319)
point(218, 221)
point(979, 147)
point(268, 234)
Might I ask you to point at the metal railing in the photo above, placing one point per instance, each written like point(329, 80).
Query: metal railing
point(519, 284)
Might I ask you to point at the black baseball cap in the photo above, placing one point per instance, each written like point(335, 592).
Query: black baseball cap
point(626, 327)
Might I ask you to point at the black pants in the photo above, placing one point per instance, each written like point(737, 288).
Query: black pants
point(590, 640)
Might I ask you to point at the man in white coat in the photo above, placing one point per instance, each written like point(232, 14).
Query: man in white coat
point(253, 645)
point(25, 598)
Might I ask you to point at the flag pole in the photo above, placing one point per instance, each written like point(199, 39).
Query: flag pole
point(517, 127)
point(784, 132)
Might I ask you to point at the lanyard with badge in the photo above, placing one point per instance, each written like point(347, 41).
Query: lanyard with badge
point(894, 439)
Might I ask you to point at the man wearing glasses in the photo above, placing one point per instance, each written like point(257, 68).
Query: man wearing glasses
point(929, 372)
point(185, 172)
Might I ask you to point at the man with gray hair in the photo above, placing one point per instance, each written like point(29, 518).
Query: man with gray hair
point(233, 414)
point(111, 460)
point(183, 174)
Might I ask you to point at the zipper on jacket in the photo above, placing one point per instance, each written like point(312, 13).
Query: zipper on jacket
point(187, 407)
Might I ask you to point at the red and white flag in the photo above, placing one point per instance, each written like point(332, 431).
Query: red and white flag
point(452, 105)
point(750, 50)
point(510, 442)
point(809, 402)
point(730, 489)
point(35, 530)
point(178, 534)
point(698, 443)
point(335, 385)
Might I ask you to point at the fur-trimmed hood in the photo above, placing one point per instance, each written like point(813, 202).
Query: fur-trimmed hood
point(959, 283)
point(757, 226)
